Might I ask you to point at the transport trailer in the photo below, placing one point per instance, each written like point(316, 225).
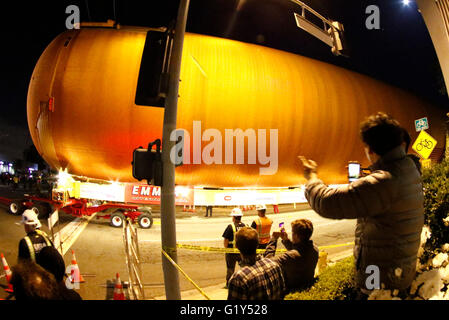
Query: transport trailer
point(114, 211)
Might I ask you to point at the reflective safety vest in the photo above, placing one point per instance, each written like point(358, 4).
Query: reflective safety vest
point(30, 245)
point(234, 231)
point(264, 228)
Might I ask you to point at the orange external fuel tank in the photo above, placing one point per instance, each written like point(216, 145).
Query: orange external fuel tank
point(82, 111)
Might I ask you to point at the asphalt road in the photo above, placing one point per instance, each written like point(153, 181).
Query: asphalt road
point(100, 250)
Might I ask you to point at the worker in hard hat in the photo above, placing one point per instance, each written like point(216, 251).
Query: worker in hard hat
point(263, 226)
point(229, 236)
point(35, 240)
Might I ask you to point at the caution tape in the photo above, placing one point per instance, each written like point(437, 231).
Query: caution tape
point(204, 248)
point(337, 245)
point(235, 250)
point(183, 273)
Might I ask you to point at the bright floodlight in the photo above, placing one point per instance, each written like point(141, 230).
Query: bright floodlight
point(406, 2)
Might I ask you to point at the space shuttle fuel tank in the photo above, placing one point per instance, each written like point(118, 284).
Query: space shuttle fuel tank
point(89, 106)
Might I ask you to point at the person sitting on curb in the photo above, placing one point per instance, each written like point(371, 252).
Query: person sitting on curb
point(259, 278)
point(299, 262)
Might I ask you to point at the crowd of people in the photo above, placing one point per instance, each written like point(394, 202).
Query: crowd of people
point(37, 182)
point(387, 203)
point(267, 275)
point(388, 206)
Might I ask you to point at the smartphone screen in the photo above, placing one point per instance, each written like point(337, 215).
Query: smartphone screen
point(353, 171)
point(281, 225)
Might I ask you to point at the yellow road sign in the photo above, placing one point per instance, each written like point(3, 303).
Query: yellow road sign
point(424, 144)
point(426, 163)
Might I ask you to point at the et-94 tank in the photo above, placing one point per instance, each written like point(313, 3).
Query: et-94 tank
point(88, 109)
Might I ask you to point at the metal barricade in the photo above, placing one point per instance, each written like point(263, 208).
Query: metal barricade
point(133, 262)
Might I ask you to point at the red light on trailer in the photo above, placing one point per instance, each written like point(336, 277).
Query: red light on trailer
point(51, 104)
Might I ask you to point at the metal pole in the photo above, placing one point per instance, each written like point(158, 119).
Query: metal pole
point(168, 214)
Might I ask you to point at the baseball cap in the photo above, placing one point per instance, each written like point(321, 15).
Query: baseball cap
point(29, 217)
point(236, 212)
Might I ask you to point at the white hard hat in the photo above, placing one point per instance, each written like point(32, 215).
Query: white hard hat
point(29, 217)
point(261, 207)
point(236, 212)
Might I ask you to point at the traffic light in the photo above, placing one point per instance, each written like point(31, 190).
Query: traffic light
point(147, 163)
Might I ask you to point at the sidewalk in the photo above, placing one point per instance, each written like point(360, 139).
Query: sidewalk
point(218, 292)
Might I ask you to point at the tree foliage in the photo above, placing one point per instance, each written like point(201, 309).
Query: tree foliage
point(334, 283)
point(436, 205)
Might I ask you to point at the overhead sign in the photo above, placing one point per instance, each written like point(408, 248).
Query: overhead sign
point(421, 124)
point(424, 144)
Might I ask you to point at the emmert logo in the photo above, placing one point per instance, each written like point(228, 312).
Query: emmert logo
point(146, 191)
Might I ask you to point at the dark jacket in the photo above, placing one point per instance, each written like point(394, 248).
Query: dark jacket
point(298, 263)
point(388, 206)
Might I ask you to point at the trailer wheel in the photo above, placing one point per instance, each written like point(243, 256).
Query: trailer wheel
point(16, 208)
point(117, 219)
point(41, 211)
point(145, 221)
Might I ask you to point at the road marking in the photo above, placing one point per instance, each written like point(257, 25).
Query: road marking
point(74, 230)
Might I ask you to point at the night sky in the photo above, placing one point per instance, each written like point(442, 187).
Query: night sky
point(400, 53)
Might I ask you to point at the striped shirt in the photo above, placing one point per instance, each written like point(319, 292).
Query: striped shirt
point(261, 281)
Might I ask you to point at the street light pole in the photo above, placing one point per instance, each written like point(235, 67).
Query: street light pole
point(168, 212)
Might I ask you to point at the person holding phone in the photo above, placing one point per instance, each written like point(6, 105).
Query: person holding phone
point(353, 171)
point(299, 262)
point(388, 206)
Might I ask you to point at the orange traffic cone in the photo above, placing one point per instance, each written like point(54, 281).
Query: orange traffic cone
point(8, 274)
point(118, 290)
point(76, 275)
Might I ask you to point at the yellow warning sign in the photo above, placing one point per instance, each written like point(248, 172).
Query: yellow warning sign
point(426, 163)
point(424, 144)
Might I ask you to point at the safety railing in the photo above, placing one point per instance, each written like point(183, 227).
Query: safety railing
point(133, 261)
